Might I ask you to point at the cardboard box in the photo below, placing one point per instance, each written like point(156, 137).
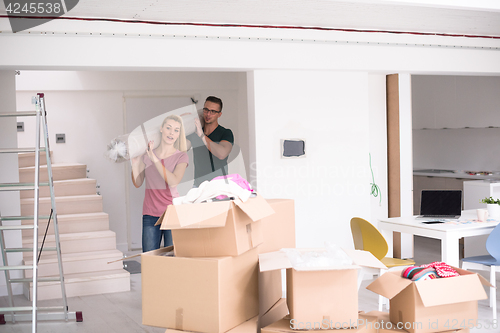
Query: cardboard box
point(275, 313)
point(211, 295)
point(316, 294)
point(223, 228)
point(386, 326)
point(365, 324)
point(279, 229)
point(431, 305)
point(270, 290)
point(279, 232)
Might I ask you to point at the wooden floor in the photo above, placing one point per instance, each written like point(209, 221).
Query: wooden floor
point(121, 312)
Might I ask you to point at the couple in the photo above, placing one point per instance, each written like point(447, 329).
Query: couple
point(164, 167)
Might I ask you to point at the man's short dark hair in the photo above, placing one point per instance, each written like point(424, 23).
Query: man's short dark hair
point(215, 100)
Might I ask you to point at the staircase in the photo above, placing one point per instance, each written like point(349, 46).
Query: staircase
point(87, 244)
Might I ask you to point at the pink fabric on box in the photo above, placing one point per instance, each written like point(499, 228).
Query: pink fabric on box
point(240, 181)
point(442, 269)
point(158, 194)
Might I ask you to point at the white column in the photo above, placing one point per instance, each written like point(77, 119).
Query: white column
point(406, 158)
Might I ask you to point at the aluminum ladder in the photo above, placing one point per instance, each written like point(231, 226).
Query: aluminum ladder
point(33, 312)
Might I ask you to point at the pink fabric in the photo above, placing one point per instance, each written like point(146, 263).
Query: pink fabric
point(158, 194)
point(442, 269)
point(240, 181)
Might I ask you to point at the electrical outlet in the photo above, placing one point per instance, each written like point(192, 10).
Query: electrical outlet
point(60, 138)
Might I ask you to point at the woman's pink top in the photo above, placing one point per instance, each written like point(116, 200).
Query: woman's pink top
point(158, 194)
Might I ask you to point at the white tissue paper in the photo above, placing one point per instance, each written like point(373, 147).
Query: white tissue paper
point(329, 258)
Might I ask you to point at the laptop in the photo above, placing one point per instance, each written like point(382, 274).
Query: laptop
point(440, 204)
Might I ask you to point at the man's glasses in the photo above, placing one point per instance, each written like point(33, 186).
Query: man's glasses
point(212, 112)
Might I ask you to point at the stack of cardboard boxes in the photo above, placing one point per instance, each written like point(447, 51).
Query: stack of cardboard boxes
point(214, 284)
point(211, 285)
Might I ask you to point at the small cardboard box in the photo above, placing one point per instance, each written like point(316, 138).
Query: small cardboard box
point(365, 324)
point(211, 295)
point(316, 294)
point(431, 305)
point(223, 228)
point(386, 326)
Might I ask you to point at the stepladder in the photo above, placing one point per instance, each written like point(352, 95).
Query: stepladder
point(16, 270)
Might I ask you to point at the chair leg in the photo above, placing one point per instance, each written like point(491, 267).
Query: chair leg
point(381, 299)
point(493, 291)
point(380, 303)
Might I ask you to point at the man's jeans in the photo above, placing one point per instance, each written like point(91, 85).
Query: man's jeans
point(151, 234)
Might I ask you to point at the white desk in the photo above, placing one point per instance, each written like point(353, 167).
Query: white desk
point(449, 234)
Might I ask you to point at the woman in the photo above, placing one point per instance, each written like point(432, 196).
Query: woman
point(163, 169)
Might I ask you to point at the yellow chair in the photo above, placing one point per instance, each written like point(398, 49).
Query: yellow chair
point(366, 237)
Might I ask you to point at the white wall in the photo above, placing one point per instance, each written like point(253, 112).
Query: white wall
point(378, 144)
point(452, 116)
point(9, 201)
point(329, 110)
point(89, 108)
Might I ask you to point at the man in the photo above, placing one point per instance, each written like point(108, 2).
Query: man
point(211, 143)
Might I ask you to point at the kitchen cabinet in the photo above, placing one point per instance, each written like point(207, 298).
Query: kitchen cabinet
point(455, 101)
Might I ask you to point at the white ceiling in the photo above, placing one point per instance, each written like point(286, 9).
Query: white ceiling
point(457, 17)
point(427, 16)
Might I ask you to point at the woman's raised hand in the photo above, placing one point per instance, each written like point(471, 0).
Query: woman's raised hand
point(150, 152)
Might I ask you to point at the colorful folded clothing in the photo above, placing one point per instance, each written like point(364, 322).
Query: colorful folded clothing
point(430, 271)
point(443, 269)
point(416, 273)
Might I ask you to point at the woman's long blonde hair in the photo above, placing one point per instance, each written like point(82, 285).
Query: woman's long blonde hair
point(180, 143)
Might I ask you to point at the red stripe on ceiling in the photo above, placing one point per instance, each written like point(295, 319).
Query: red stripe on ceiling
point(254, 26)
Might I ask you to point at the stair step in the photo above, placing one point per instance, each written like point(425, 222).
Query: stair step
point(75, 243)
point(77, 204)
point(59, 172)
point(28, 159)
point(83, 284)
point(74, 263)
point(70, 187)
point(71, 223)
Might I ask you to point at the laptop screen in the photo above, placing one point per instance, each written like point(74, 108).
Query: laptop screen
point(441, 202)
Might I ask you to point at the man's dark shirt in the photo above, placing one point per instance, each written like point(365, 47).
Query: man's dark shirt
point(206, 165)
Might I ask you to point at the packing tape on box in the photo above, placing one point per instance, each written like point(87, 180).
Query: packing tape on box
point(179, 319)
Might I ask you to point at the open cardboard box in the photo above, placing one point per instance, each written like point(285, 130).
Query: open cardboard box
point(211, 295)
point(433, 305)
point(327, 293)
point(223, 228)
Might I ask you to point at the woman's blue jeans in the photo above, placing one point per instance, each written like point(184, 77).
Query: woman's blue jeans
point(151, 234)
